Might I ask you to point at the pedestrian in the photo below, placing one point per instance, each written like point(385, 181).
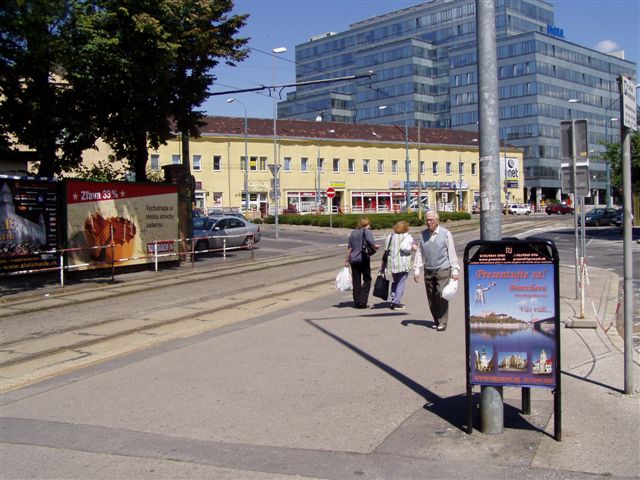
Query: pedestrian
point(398, 263)
point(361, 246)
point(436, 254)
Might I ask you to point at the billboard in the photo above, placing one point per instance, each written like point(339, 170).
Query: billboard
point(119, 222)
point(512, 313)
point(28, 224)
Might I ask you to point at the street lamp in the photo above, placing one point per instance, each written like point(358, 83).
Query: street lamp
point(276, 157)
point(407, 163)
point(246, 157)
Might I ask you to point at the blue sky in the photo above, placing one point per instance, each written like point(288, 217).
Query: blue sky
point(604, 25)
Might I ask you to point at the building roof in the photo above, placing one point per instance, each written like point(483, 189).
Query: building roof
point(308, 130)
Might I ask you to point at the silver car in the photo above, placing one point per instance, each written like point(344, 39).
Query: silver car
point(212, 231)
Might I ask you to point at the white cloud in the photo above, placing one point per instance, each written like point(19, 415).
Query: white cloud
point(607, 46)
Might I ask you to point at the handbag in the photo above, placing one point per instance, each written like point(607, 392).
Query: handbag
point(385, 256)
point(381, 287)
point(366, 248)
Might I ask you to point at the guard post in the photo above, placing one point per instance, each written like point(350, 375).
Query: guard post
point(512, 319)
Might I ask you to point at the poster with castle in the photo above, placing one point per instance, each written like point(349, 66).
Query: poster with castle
point(29, 219)
point(512, 317)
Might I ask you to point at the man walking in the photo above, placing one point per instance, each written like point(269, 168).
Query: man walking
point(437, 255)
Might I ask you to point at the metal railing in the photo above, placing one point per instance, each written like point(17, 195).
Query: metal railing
point(180, 249)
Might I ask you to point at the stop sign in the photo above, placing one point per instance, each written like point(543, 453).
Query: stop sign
point(331, 192)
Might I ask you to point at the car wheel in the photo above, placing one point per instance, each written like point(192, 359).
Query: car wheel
point(249, 241)
point(201, 245)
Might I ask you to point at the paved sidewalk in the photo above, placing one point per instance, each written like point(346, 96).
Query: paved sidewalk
point(323, 390)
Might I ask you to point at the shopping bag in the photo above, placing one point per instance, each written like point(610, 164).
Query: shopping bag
point(381, 287)
point(343, 280)
point(450, 289)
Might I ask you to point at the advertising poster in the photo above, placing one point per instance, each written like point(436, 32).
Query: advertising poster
point(512, 317)
point(28, 224)
point(135, 215)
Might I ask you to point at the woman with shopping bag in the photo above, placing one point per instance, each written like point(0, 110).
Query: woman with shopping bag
point(397, 261)
point(361, 246)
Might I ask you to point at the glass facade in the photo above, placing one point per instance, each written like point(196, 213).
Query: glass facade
point(425, 62)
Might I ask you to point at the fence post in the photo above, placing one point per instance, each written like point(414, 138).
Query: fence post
point(61, 268)
point(155, 254)
point(224, 248)
point(113, 252)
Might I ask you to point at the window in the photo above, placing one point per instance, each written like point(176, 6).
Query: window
point(434, 168)
point(422, 167)
point(321, 165)
point(474, 169)
point(155, 162)
point(287, 164)
point(304, 164)
point(336, 165)
point(365, 165)
point(352, 165)
point(175, 159)
point(380, 166)
point(217, 163)
point(253, 164)
point(460, 168)
point(394, 166)
point(263, 164)
point(448, 168)
point(197, 163)
point(243, 163)
point(217, 199)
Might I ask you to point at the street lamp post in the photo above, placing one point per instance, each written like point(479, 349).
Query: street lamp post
point(407, 162)
point(276, 157)
point(575, 203)
point(246, 157)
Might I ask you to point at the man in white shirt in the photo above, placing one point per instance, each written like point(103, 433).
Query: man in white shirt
point(437, 255)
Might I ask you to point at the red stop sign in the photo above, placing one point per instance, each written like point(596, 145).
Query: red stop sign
point(331, 192)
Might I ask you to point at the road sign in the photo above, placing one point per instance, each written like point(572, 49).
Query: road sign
point(331, 192)
point(274, 168)
point(583, 180)
point(579, 131)
point(630, 119)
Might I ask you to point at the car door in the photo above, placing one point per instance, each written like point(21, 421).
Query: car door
point(235, 230)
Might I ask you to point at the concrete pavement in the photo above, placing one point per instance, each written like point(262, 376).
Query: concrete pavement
point(321, 390)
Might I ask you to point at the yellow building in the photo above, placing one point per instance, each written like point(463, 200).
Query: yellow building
point(365, 164)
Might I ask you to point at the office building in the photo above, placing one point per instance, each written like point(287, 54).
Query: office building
point(425, 63)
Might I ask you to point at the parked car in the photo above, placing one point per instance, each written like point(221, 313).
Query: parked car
point(599, 216)
point(618, 220)
point(518, 209)
point(558, 209)
point(236, 230)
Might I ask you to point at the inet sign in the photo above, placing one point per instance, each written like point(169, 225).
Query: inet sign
point(555, 31)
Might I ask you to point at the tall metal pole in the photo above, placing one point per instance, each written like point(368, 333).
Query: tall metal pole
point(490, 204)
point(407, 162)
point(419, 174)
point(491, 405)
point(625, 143)
point(276, 157)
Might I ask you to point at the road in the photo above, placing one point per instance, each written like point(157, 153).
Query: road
point(145, 308)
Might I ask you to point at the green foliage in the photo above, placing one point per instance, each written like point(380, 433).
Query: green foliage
point(613, 155)
point(127, 71)
point(102, 171)
point(379, 221)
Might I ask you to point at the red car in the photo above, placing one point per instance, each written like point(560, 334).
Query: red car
point(558, 209)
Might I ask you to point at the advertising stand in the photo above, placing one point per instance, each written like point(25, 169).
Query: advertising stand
point(512, 321)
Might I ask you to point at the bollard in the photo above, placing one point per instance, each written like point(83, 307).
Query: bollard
point(491, 411)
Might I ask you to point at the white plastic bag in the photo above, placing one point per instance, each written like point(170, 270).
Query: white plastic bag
point(450, 289)
point(343, 280)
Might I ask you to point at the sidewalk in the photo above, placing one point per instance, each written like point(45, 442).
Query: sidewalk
point(323, 390)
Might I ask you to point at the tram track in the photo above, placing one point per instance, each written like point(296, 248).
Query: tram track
point(30, 357)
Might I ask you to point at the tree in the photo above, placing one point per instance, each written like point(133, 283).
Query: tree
point(37, 106)
point(125, 70)
point(154, 57)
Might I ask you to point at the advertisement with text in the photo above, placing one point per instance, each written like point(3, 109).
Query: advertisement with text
point(120, 222)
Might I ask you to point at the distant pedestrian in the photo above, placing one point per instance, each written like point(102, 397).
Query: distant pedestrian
point(361, 244)
point(398, 263)
point(436, 254)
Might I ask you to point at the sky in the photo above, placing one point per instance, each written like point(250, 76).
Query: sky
point(603, 25)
